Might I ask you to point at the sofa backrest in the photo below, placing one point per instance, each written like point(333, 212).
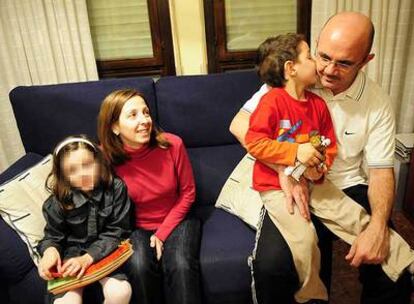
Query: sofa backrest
point(197, 108)
point(46, 114)
point(200, 108)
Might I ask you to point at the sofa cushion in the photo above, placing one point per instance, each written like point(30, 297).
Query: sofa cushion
point(26, 161)
point(225, 246)
point(237, 195)
point(200, 108)
point(21, 201)
point(211, 167)
point(47, 114)
point(15, 261)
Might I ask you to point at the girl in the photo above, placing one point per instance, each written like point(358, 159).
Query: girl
point(87, 216)
point(157, 171)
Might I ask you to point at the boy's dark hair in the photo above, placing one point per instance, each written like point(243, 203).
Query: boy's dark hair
point(56, 182)
point(272, 55)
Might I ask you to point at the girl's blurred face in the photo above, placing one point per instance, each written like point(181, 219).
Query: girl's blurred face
point(135, 124)
point(80, 169)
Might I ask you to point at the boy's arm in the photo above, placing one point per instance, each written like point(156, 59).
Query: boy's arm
point(259, 138)
point(239, 126)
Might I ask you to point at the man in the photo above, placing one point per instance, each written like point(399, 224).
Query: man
point(364, 127)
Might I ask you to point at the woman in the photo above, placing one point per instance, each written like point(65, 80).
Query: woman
point(156, 169)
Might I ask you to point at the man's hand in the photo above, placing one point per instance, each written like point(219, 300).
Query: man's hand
point(296, 193)
point(371, 246)
point(158, 244)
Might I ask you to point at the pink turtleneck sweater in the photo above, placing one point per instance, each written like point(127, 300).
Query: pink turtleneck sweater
point(161, 184)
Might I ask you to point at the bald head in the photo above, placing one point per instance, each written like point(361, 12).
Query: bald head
point(343, 49)
point(352, 29)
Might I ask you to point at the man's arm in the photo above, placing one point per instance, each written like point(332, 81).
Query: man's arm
point(381, 191)
point(372, 245)
point(239, 126)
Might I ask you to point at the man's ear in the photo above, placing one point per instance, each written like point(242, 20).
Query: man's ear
point(289, 68)
point(367, 59)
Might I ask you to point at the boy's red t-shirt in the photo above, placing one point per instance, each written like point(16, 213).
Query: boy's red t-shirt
point(277, 127)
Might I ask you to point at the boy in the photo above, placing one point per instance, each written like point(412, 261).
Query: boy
point(290, 114)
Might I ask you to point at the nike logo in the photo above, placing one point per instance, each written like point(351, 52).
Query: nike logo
point(349, 133)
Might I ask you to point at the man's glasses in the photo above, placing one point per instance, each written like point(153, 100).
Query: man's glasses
point(342, 65)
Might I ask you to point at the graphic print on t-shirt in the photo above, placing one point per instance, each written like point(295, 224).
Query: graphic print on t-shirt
point(286, 133)
point(290, 133)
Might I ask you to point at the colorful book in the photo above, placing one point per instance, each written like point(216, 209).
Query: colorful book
point(95, 272)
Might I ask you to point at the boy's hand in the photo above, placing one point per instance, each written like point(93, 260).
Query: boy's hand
point(308, 155)
point(50, 259)
point(76, 266)
point(314, 173)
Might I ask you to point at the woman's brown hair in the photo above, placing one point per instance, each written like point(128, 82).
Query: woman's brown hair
point(272, 55)
point(56, 182)
point(112, 145)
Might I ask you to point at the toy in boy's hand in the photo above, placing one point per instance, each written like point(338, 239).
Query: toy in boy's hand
point(320, 143)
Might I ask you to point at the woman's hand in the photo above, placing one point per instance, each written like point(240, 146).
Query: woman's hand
point(158, 244)
point(77, 266)
point(50, 259)
point(308, 155)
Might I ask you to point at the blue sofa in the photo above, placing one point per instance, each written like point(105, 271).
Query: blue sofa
point(197, 108)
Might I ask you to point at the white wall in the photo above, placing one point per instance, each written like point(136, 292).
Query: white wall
point(187, 25)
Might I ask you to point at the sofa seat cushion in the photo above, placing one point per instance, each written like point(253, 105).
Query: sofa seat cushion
point(31, 289)
point(211, 167)
point(225, 246)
